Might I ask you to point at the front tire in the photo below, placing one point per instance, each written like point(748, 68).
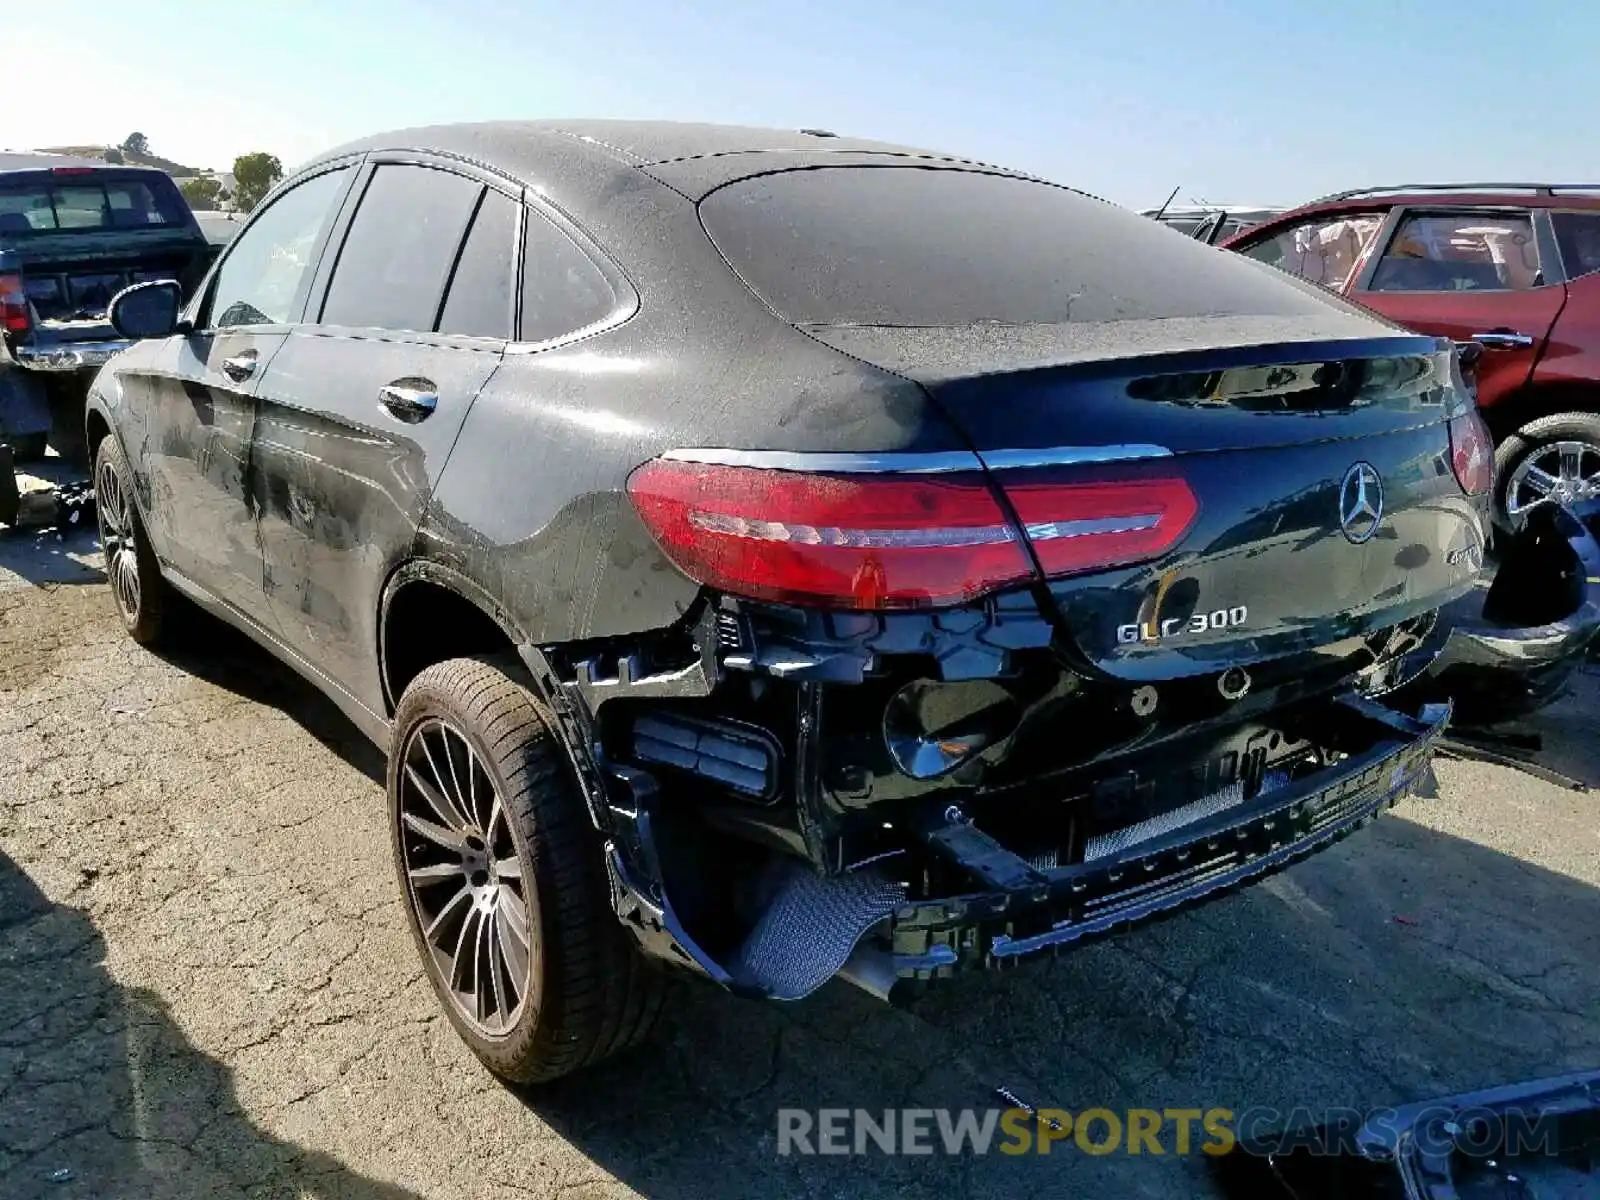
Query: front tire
point(137, 588)
point(504, 879)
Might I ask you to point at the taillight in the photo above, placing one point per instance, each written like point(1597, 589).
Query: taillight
point(14, 314)
point(851, 541)
point(1471, 454)
point(1088, 526)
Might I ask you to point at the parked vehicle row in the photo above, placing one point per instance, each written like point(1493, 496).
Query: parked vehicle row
point(1512, 267)
point(776, 556)
point(1212, 223)
point(73, 233)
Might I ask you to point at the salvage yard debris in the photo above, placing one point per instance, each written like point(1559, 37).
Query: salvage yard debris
point(40, 504)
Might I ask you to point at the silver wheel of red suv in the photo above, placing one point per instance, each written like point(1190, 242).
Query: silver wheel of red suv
point(1553, 460)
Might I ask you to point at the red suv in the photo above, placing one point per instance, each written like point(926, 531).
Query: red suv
point(1513, 267)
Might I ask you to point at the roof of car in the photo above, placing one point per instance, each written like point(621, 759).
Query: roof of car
point(1446, 196)
point(219, 227)
point(33, 160)
point(1471, 195)
point(691, 159)
point(640, 143)
point(1206, 210)
point(1544, 194)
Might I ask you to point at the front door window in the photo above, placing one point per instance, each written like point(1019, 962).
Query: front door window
point(1462, 251)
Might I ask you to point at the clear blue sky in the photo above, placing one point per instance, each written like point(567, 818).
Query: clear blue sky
point(1238, 100)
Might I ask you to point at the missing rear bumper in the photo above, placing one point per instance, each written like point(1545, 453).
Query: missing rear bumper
point(885, 921)
point(1209, 856)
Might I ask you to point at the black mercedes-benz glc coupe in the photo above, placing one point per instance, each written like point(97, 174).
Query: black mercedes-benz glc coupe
point(778, 556)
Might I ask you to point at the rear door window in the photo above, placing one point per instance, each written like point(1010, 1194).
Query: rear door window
point(264, 278)
point(1578, 235)
point(915, 246)
point(397, 257)
point(481, 292)
point(1324, 249)
point(562, 290)
point(1464, 251)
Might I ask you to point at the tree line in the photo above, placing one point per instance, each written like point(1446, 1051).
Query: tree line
point(254, 175)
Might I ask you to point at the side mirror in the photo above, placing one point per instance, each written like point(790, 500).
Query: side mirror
point(147, 310)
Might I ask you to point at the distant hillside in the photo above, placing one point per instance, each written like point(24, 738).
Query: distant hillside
point(176, 170)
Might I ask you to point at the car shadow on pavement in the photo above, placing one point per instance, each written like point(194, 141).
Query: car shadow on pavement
point(1404, 964)
point(101, 1095)
point(215, 651)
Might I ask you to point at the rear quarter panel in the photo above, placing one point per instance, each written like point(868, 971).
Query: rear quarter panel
point(1571, 357)
point(532, 506)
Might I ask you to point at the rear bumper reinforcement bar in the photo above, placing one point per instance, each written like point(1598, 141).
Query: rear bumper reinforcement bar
point(1196, 861)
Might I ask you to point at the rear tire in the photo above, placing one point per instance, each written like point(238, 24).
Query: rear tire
point(137, 588)
point(491, 835)
point(1563, 448)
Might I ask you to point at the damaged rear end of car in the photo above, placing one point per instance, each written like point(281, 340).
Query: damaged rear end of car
point(1116, 640)
point(946, 710)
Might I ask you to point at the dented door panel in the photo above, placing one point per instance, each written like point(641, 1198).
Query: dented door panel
point(345, 482)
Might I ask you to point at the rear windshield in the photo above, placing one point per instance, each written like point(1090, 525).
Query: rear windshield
point(64, 203)
point(926, 247)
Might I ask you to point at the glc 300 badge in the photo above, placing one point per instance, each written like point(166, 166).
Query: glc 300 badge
point(1156, 631)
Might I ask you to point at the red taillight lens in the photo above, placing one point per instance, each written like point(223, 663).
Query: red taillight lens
point(1472, 454)
point(856, 541)
point(14, 314)
point(1088, 526)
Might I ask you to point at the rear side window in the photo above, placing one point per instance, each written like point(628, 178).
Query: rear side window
point(264, 277)
point(1578, 235)
point(392, 270)
point(927, 247)
point(1324, 250)
point(479, 304)
point(72, 202)
point(562, 290)
point(1459, 252)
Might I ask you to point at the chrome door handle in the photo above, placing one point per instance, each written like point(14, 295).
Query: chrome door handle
point(411, 401)
point(1503, 339)
point(241, 366)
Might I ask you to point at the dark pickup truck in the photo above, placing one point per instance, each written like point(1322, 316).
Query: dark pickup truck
point(73, 233)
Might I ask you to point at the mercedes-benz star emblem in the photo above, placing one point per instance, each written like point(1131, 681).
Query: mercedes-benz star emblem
point(1360, 502)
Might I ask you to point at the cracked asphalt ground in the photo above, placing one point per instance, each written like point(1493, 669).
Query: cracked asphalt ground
point(207, 989)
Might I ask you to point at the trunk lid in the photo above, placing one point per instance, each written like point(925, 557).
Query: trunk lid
point(1278, 437)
